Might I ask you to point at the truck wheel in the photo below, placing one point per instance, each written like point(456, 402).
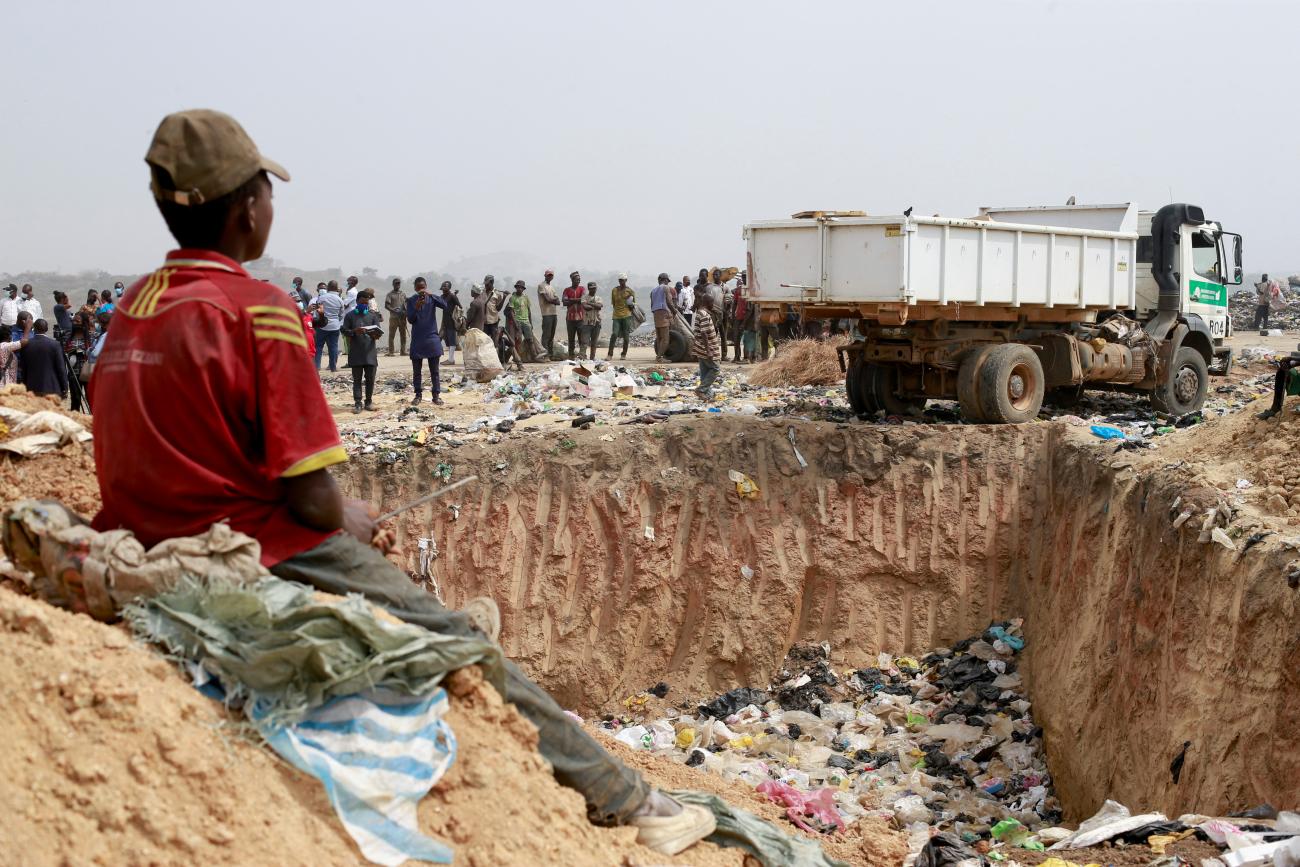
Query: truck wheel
point(968, 377)
point(1184, 390)
point(678, 347)
point(1011, 384)
point(853, 387)
point(879, 387)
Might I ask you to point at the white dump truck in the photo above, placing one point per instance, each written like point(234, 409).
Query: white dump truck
point(1014, 305)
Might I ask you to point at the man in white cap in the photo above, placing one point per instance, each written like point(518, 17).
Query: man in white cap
point(255, 442)
point(621, 297)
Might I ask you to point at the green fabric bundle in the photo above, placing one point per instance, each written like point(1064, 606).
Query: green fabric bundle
point(279, 645)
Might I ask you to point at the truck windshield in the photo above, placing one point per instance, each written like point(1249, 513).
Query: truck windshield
point(1205, 256)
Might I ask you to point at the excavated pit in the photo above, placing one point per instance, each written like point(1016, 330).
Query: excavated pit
point(617, 557)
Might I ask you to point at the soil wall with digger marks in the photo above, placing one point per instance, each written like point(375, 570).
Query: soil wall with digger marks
point(622, 556)
point(1143, 638)
point(618, 564)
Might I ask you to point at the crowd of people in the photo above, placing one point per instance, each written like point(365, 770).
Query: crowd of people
point(429, 327)
point(348, 321)
point(57, 363)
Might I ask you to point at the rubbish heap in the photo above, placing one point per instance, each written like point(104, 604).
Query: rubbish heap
point(941, 743)
point(1285, 315)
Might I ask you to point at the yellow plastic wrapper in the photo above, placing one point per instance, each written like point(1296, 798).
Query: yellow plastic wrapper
point(685, 738)
point(746, 488)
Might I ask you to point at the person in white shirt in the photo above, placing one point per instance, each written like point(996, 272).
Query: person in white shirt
point(29, 303)
point(350, 296)
point(686, 301)
point(8, 310)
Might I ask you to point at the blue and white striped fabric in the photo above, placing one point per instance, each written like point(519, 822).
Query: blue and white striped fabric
point(377, 753)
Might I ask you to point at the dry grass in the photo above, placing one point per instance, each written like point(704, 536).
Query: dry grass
point(800, 362)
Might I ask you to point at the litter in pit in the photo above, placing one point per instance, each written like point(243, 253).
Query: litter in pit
point(944, 747)
point(946, 742)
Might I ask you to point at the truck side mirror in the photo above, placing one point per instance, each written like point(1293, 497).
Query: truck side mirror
point(1237, 273)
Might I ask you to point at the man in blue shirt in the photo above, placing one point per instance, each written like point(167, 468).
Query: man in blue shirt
point(330, 305)
point(422, 312)
point(662, 306)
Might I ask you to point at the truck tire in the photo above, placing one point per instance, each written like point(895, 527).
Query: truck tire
point(1184, 390)
point(968, 377)
point(853, 387)
point(1011, 384)
point(678, 347)
point(879, 387)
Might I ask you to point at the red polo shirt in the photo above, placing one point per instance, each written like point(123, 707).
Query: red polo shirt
point(574, 311)
point(205, 402)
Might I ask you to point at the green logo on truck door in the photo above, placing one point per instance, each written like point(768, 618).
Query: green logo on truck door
point(1203, 292)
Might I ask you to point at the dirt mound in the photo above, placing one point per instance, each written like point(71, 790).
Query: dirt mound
point(111, 756)
point(799, 362)
point(1244, 447)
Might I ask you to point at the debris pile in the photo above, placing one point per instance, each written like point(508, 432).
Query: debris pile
point(1284, 315)
point(799, 362)
point(944, 742)
point(54, 460)
point(569, 393)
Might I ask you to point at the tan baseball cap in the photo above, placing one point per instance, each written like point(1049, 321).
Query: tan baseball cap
point(201, 155)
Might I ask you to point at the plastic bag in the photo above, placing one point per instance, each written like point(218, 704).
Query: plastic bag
point(818, 806)
point(480, 354)
point(911, 808)
point(746, 488)
point(1107, 432)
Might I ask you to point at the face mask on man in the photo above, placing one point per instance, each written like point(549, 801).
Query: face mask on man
point(363, 308)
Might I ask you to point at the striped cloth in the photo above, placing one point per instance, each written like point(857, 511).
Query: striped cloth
point(377, 754)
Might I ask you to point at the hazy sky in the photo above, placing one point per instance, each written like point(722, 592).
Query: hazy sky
point(641, 136)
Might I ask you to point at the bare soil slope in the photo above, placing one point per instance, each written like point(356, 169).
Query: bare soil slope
point(112, 758)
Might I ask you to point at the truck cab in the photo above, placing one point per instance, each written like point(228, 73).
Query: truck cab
point(1206, 261)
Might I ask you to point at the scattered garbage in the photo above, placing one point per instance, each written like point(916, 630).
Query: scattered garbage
point(945, 741)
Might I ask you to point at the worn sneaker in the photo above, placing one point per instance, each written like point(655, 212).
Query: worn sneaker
point(356, 407)
point(1267, 414)
point(670, 832)
point(484, 615)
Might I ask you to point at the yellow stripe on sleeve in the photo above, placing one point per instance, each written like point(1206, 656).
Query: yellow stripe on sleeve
point(138, 301)
point(266, 334)
point(274, 322)
point(150, 303)
point(320, 460)
point(271, 310)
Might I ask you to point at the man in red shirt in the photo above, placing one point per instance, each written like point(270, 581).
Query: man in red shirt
point(573, 315)
point(252, 441)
